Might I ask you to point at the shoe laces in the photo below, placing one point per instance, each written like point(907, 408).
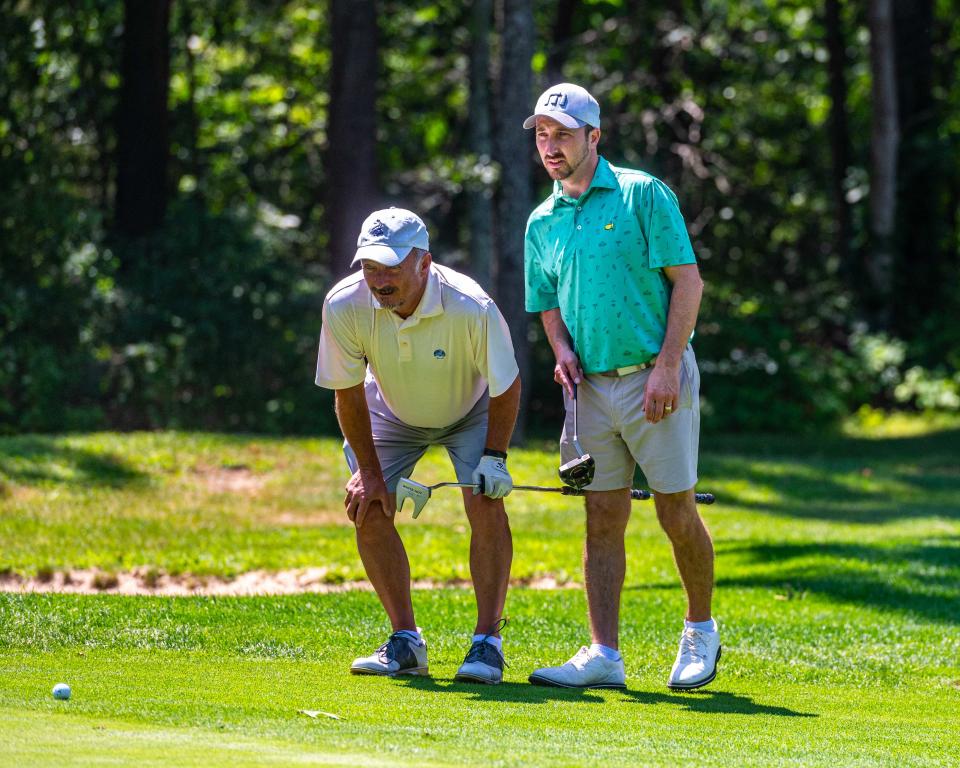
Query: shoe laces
point(693, 642)
point(485, 653)
point(391, 649)
point(581, 657)
point(481, 649)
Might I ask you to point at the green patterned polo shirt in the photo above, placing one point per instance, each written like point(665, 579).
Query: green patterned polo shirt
point(599, 258)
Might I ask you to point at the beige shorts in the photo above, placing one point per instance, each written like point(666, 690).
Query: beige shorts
point(612, 428)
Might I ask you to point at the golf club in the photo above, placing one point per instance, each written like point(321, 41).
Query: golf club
point(577, 473)
point(420, 494)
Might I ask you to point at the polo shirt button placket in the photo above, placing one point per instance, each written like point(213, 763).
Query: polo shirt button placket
point(404, 344)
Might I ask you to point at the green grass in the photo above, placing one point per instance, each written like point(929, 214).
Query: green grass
point(220, 680)
point(838, 569)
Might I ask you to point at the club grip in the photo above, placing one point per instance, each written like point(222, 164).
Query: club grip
point(638, 494)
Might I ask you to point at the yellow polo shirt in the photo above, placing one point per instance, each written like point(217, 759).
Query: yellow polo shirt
point(431, 367)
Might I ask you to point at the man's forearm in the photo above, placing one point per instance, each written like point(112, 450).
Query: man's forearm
point(502, 417)
point(556, 330)
point(354, 418)
point(681, 317)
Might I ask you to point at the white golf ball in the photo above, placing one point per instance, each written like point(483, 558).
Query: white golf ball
point(61, 691)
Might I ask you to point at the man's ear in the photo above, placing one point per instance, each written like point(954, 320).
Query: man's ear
point(426, 261)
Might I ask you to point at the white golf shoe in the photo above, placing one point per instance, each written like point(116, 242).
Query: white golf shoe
point(587, 669)
point(697, 658)
point(400, 655)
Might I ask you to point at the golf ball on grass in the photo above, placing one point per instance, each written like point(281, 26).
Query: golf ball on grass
point(61, 691)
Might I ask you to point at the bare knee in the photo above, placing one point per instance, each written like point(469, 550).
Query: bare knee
point(376, 525)
point(485, 513)
point(677, 514)
point(608, 513)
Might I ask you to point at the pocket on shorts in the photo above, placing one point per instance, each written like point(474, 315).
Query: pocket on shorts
point(689, 379)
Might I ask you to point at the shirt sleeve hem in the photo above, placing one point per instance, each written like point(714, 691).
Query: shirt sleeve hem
point(338, 383)
point(500, 390)
point(542, 306)
point(660, 264)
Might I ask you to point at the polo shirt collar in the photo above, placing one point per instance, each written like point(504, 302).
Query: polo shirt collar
point(603, 178)
point(431, 303)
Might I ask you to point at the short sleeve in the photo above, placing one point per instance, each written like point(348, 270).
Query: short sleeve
point(340, 362)
point(662, 223)
point(494, 354)
point(540, 286)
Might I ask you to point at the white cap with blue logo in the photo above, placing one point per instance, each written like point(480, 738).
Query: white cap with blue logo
point(388, 236)
point(568, 104)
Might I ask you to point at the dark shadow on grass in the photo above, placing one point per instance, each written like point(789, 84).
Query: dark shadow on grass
point(916, 579)
point(714, 702)
point(813, 490)
point(522, 693)
point(928, 448)
point(26, 461)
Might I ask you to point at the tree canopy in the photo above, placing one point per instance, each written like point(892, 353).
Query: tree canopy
point(181, 183)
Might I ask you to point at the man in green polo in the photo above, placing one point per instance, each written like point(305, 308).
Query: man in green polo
point(610, 268)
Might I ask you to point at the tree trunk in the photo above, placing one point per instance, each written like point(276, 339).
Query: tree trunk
point(883, 150)
point(839, 137)
point(561, 40)
point(352, 191)
point(919, 267)
point(480, 192)
point(143, 135)
point(515, 99)
point(193, 122)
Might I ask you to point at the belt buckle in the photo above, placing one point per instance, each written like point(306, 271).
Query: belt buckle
point(628, 369)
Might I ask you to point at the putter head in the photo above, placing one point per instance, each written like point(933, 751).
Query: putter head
point(417, 493)
point(578, 473)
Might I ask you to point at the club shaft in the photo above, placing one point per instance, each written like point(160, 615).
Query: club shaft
point(637, 494)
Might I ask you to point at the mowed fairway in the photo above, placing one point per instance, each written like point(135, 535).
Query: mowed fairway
point(838, 566)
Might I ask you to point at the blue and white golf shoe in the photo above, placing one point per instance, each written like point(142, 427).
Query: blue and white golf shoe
point(400, 655)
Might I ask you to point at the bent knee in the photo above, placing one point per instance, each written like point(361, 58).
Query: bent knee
point(375, 523)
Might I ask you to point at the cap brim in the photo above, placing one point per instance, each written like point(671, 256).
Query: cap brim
point(561, 117)
point(382, 254)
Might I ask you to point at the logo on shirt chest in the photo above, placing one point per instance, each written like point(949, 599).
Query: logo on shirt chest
point(439, 354)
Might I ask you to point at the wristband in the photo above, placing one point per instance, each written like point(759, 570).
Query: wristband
point(496, 453)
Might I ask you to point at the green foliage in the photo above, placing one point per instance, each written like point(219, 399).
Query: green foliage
point(726, 101)
point(213, 324)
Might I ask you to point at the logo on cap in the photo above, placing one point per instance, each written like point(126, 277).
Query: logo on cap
point(378, 229)
point(556, 100)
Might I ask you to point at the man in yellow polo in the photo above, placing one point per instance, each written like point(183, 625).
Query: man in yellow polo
point(419, 355)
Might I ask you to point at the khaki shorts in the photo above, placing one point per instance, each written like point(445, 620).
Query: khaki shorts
point(399, 446)
point(612, 428)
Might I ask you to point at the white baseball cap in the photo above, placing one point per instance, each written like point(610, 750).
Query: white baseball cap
point(569, 105)
point(388, 236)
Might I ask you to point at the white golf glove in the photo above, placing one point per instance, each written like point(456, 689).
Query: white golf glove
point(492, 473)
